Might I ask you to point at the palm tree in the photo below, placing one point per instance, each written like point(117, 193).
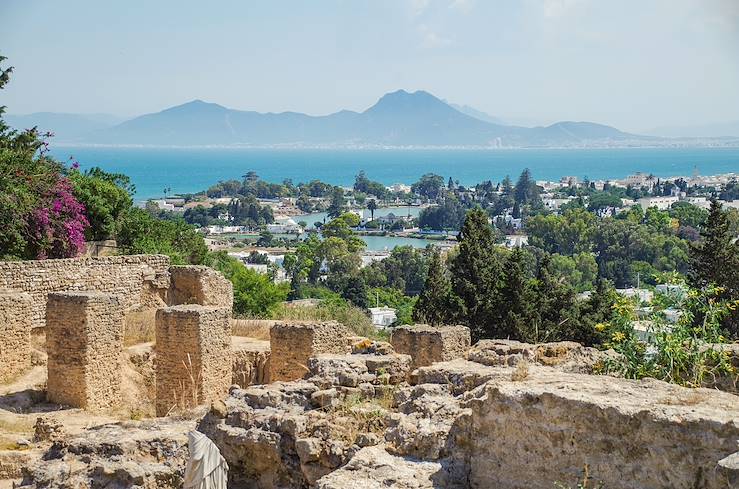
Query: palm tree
point(372, 206)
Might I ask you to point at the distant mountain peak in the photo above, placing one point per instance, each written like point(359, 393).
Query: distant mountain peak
point(402, 101)
point(196, 105)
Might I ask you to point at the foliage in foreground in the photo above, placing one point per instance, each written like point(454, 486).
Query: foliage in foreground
point(255, 295)
point(679, 353)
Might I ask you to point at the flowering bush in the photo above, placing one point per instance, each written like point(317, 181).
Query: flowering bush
point(57, 226)
point(683, 353)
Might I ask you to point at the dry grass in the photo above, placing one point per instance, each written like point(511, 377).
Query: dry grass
point(140, 327)
point(352, 317)
point(252, 328)
point(187, 396)
point(355, 415)
point(521, 372)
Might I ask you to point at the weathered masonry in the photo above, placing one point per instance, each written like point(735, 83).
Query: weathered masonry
point(138, 281)
point(15, 334)
point(84, 339)
point(193, 356)
point(430, 344)
point(292, 344)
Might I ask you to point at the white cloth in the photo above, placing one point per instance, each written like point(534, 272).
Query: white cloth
point(206, 469)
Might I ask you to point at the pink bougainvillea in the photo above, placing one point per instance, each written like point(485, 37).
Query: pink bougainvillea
point(58, 226)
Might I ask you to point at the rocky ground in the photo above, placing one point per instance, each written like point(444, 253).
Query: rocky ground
point(508, 415)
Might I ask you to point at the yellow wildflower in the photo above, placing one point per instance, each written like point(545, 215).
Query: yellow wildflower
point(600, 327)
point(618, 337)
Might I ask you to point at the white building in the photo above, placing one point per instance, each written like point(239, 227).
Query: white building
point(639, 179)
point(662, 203)
point(225, 229)
point(284, 226)
point(516, 240)
point(382, 317)
point(701, 202)
point(399, 187)
point(644, 295)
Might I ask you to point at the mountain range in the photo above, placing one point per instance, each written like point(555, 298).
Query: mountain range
point(399, 118)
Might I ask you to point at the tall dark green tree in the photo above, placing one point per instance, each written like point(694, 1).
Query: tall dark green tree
point(372, 206)
point(476, 275)
point(436, 305)
point(516, 305)
point(715, 260)
point(338, 203)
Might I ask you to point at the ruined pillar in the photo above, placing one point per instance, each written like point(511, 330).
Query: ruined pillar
point(193, 356)
point(197, 284)
point(429, 344)
point(292, 344)
point(16, 320)
point(84, 341)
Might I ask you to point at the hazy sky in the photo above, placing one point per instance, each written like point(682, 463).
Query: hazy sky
point(634, 64)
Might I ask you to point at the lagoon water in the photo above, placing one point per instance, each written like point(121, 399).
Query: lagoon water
point(185, 170)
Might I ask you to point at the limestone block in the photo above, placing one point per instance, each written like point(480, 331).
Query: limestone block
point(630, 434)
point(429, 344)
point(84, 342)
point(193, 356)
point(197, 284)
point(292, 344)
point(15, 334)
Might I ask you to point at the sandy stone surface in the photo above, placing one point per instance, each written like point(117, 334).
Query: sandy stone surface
point(428, 344)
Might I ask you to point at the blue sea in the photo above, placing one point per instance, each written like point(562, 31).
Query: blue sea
point(186, 170)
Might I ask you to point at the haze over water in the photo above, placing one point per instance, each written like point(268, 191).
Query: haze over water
point(187, 170)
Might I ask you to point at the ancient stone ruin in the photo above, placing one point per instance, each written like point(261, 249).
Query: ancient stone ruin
point(193, 356)
point(15, 334)
point(429, 344)
point(84, 341)
point(293, 344)
point(306, 405)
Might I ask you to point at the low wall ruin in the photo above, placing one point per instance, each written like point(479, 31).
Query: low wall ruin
point(84, 342)
point(197, 284)
point(292, 344)
point(15, 334)
point(429, 344)
point(193, 356)
point(138, 281)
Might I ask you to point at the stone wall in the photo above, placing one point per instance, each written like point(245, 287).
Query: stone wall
point(84, 342)
point(250, 361)
point(137, 280)
point(548, 428)
point(196, 284)
point(292, 344)
point(430, 344)
point(15, 334)
point(193, 356)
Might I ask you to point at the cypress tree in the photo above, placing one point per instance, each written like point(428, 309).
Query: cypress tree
point(476, 275)
point(516, 302)
point(715, 260)
point(436, 304)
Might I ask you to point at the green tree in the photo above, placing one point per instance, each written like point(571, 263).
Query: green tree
point(140, 233)
point(715, 261)
point(436, 305)
point(476, 275)
point(338, 203)
point(372, 206)
point(105, 197)
point(516, 305)
point(255, 295)
point(429, 186)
